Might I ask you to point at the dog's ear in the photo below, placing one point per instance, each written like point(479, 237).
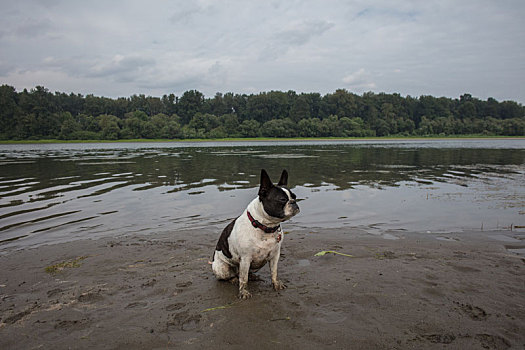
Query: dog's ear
point(266, 184)
point(284, 178)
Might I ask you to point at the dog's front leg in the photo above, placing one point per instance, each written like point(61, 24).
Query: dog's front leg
point(244, 269)
point(277, 284)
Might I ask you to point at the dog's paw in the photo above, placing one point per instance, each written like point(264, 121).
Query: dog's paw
point(244, 294)
point(278, 285)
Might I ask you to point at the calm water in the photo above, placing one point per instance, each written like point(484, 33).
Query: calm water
point(61, 192)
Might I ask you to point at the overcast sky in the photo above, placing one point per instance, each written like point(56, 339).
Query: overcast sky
point(120, 48)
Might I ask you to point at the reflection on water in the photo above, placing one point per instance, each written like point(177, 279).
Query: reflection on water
point(54, 193)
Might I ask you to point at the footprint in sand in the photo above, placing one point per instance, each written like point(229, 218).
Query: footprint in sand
point(139, 304)
point(493, 341)
point(183, 284)
point(185, 321)
point(440, 338)
point(474, 312)
point(173, 307)
point(51, 293)
point(71, 324)
point(90, 297)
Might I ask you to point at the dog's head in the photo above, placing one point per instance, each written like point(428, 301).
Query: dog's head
point(278, 201)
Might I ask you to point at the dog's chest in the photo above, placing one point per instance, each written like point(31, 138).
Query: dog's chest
point(259, 247)
point(265, 248)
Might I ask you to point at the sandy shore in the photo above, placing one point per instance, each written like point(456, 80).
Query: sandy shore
point(158, 292)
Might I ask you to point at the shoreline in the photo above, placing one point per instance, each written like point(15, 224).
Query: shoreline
point(158, 291)
point(266, 139)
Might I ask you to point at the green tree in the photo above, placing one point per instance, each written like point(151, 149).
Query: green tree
point(406, 126)
point(25, 127)
point(467, 110)
point(190, 103)
point(425, 126)
point(279, 128)
point(354, 127)
point(230, 122)
point(514, 127)
point(330, 126)
point(300, 109)
point(217, 105)
point(494, 126)
point(250, 128)
point(268, 105)
point(169, 103)
point(205, 121)
point(510, 110)
point(69, 126)
point(109, 125)
point(341, 103)
point(310, 127)
point(148, 130)
point(187, 132)
point(9, 112)
point(132, 128)
point(88, 123)
point(159, 121)
point(218, 133)
point(38, 113)
point(171, 130)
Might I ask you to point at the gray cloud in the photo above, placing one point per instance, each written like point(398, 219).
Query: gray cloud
point(185, 13)
point(359, 80)
point(300, 33)
point(294, 35)
point(6, 68)
point(119, 48)
point(33, 28)
point(119, 66)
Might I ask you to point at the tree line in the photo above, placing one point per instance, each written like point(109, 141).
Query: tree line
point(41, 114)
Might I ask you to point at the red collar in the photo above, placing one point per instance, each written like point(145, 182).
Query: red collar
point(257, 224)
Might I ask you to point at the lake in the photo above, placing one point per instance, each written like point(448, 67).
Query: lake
point(53, 193)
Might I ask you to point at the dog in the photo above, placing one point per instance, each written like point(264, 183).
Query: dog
point(254, 238)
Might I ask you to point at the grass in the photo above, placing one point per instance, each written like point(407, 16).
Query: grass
point(255, 139)
point(324, 252)
point(52, 269)
point(222, 307)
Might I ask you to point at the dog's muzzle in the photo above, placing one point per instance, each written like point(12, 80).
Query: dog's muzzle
point(294, 207)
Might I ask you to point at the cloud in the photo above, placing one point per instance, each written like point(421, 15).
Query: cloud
point(392, 12)
point(443, 48)
point(359, 80)
point(296, 34)
point(300, 33)
point(27, 28)
point(6, 68)
point(178, 72)
point(122, 67)
point(186, 12)
point(33, 28)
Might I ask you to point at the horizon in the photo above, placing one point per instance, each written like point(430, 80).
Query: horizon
point(257, 93)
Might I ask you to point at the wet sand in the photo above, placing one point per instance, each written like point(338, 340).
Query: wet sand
point(157, 291)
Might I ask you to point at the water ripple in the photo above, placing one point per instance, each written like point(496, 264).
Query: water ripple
point(52, 193)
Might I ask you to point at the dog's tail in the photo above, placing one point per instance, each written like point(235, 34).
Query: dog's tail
point(212, 258)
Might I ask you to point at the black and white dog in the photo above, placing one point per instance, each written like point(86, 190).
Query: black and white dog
point(255, 237)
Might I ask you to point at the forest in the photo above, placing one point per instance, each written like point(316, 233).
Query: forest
point(40, 114)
